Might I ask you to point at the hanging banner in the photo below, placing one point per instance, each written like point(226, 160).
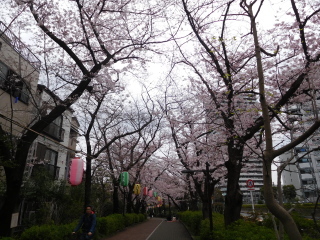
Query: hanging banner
point(137, 189)
point(124, 179)
point(75, 171)
point(145, 191)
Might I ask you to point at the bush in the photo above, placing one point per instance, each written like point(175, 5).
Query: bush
point(142, 217)
point(47, 232)
point(131, 218)
point(105, 226)
point(110, 224)
point(192, 220)
point(305, 226)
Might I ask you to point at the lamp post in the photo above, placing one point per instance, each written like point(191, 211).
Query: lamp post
point(207, 176)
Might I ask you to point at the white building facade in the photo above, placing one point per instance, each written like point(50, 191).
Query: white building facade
point(23, 101)
point(304, 169)
point(56, 145)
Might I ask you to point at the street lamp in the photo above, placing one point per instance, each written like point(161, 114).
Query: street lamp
point(207, 175)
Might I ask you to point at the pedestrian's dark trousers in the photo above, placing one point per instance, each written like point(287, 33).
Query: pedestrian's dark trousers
point(85, 236)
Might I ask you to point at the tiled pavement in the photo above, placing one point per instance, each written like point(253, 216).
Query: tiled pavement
point(154, 229)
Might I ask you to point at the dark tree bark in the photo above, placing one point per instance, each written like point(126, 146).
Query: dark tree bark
point(233, 199)
point(115, 197)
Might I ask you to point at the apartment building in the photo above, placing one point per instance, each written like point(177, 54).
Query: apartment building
point(19, 74)
point(304, 169)
point(23, 101)
point(56, 145)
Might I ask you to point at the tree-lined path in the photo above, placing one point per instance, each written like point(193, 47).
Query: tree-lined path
point(154, 229)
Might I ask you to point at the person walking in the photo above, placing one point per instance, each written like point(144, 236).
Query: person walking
point(87, 223)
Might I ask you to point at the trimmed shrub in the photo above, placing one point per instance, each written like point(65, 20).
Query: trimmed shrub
point(192, 220)
point(130, 219)
point(105, 227)
point(110, 224)
point(142, 217)
point(47, 232)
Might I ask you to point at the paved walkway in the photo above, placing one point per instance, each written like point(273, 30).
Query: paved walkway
point(154, 229)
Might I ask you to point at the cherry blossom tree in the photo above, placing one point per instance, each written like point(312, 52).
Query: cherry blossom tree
point(107, 119)
point(160, 175)
point(87, 42)
point(187, 120)
point(223, 49)
point(128, 146)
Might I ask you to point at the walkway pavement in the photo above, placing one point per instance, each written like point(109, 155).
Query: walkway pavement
point(154, 229)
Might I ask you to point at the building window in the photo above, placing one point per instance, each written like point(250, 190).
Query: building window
point(51, 158)
point(306, 170)
point(47, 159)
point(299, 150)
point(55, 129)
point(304, 182)
point(303, 160)
point(13, 84)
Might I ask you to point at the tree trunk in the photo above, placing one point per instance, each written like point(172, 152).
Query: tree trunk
point(233, 199)
point(138, 205)
point(87, 190)
point(115, 198)
point(205, 208)
point(280, 199)
point(194, 201)
point(14, 178)
point(11, 202)
point(282, 214)
point(129, 199)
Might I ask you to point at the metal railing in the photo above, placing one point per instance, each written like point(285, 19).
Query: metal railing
point(54, 131)
point(10, 38)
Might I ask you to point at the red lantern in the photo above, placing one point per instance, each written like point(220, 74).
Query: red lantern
point(76, 171)
point(145, 191)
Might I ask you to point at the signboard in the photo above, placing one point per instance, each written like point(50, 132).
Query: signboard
point(250, 184)
point(14, 220)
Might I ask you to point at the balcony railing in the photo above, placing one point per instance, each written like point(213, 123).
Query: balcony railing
point(54, 131)
point(8, 36)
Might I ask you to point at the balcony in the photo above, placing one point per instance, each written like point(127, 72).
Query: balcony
point(306, 176)
point(18, 46)
point(304, 165)
point(54, 131)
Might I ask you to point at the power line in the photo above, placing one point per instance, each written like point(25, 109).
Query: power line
point(39, 134)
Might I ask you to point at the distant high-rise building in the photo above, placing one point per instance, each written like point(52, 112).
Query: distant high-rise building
point(303, 170)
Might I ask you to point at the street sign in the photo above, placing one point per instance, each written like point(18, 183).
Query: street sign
point(250, 184)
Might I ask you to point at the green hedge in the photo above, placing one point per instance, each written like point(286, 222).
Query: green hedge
point(193, 221)
point(110, 224)
point(105, 226)
point(242, 229)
